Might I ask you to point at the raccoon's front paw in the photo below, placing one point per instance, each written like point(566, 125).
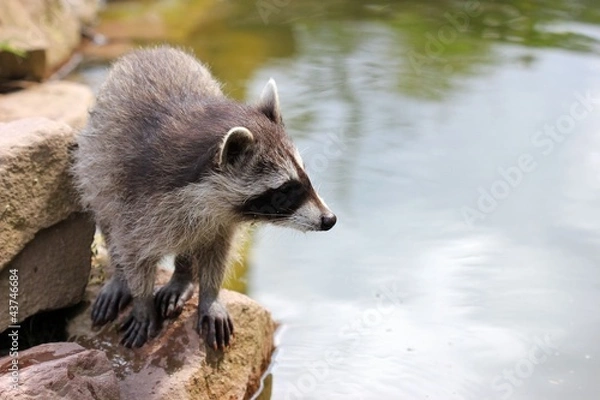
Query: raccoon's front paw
point(170, 299)
point(113, 297)
point(141, 324)
point(214, 324)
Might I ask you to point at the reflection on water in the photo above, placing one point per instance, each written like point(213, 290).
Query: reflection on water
point(458, 144)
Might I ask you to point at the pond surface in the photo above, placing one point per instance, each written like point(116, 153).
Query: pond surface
point(459, 144)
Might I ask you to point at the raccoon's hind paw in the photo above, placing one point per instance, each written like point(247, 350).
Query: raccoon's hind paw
point(214, 325)
point(141, 325)
point(170, 299)
point(113, 297)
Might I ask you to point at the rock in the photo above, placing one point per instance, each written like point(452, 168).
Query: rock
point(36, 194)
point(35, 187)
point(53, 268)
point(38, 36)
point(56, 371)
point(24, 63)
point(176, 364)
point(67, 102)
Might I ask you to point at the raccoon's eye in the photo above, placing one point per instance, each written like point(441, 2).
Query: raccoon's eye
point(288, 197)
point(289, 187)
point(276, 203)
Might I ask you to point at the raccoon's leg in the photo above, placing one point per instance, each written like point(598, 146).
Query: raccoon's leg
point(143, 322)
point(170, 299)
point(214, 322)
point(114, 295)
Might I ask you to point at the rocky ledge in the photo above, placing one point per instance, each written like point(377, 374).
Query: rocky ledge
point(177, 365)
point(174, 366)
point(43, 233)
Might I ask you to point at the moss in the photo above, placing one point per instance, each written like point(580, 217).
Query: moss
point(5, 46)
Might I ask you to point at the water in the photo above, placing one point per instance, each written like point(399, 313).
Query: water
point(458, 144)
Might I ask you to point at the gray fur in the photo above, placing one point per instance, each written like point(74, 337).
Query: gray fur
point(164, 172)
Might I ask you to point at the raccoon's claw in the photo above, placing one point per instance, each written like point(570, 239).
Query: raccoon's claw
point(113, 297)
point(171, 298)
point(141, 325)
point(215, 325)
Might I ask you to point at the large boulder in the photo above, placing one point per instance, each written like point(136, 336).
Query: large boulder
point(36, 191)
point(38, 36)
point(52, 270)
point(176, 365)
point(35, 184)
point(56, 371)
point(42, 233)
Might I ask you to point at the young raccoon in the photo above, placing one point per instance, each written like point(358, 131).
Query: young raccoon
point(170, 166)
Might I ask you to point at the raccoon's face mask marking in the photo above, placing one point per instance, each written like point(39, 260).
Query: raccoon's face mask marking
point(294, 204)
point(277, 203)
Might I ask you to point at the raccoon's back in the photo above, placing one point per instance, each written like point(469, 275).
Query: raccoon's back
point(145, 91)
point(158, 80)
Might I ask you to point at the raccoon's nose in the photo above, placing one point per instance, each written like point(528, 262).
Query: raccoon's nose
point(328, 221)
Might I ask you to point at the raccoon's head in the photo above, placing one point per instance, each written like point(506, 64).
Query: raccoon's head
point(266, 170)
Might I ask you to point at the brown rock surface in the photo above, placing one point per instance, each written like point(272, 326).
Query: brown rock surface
point(35, 187)
point(53, 269)
point(66, 102)
point(56, 371)
point(39, 233)
point(176, 364)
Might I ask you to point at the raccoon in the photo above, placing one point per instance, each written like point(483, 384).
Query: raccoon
point(168, 165)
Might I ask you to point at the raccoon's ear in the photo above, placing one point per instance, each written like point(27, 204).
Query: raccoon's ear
point(269, 102)
point(233, 144)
